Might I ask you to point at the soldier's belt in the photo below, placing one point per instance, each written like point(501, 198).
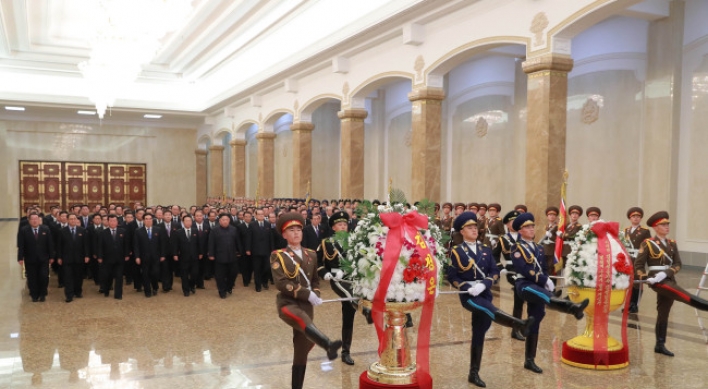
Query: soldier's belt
point(492, 236)
point(568, 242)
point(473, 283)
point(547, 241)
point(633, 252)
point(658, 268)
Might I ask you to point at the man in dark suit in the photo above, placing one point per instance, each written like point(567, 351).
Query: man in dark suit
point(94, 231)
point(261, 247)
point(235, 221)
point(313, 233)
point(113, 252)
point(84, 217)
point(148, 248)
point(55, 226)
point(187, 251)
point(278, 241)
point(35, 249)
point(167, 267)
point(132, 270)
point(225, 250)
point(206, 267)
point(245, 234)
point(73, 255)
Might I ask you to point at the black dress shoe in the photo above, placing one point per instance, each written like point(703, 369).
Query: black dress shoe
point(660, 348)
point(265, 286)
point(222, 295)
point(633, 308)
point(68, 300)
point(148, 295)
point(42, 298)
point(231, 291)
point(35, 299)
point(530, 364)
point(347, 358)
point(79, 295)
point(118, 298)
point(258, 288)
point(186, 294)
point(193, 290)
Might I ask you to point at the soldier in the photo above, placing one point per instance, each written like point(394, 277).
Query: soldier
point(295, 273)
point(549, 240)
point(534, 286)
point(481, 221)
point(473, 271)
point(328, 254)
point(635, 235)
point(446, 220)
point(73, 255)
point(455, 237)
point(658, 262)
point(593, 214)
point(521, 208)
point(506, 243)
point(571, 229)
point(495, 226)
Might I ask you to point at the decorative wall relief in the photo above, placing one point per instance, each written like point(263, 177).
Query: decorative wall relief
point(538, 25)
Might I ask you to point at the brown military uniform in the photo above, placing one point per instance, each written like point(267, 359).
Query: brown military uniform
point(549, 246)
point(292, 301)
point(639, 235)
point(482, 228)
point(569, 236)
point(494, 231)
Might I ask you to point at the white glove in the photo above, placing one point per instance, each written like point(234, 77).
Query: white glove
point(313, 299)
point(550, 286)
point(549, 234)
point(477, 289)
point(328, 276)
point(339, 275)
point(503, 272)
point(657, 278)
point(558, 233)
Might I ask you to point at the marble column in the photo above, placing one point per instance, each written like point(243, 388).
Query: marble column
point(352, 153)
point(201, 184)
point(547, 97)
point(426, 143)
point(238, 167)
point(216, 174)
point(266, 166)
point(302, 156)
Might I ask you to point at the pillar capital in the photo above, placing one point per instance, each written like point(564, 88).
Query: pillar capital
point(216, 148)
point(201, 152)
point(265, 135)
point(427, 93)
point(238, 142)
point(302, 126)
point(548, 62)
point(353, 115)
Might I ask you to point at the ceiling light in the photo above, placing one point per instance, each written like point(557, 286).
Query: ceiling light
point(10, 108)
point(151, 116)
point(86, 112)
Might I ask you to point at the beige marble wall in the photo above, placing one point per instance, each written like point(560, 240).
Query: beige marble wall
point(399, 153)
point(283, 156)
point(375, 151)
point(216, 170)
point(266, 170)
point(238, 167)
point(302, 157)
point(169, 180)
point(426, 141)
point(201, 173)
point(546, 130)
point(352, 153)
point(325, 152)
point(251, 166)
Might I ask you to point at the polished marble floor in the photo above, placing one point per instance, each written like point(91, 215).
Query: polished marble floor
point(205, 342)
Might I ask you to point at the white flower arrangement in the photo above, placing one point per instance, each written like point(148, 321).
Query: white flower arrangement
point(581, 266)
point(364, 251)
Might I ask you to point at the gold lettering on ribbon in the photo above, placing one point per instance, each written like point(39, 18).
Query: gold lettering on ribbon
point(420, 242)
point(431, 287)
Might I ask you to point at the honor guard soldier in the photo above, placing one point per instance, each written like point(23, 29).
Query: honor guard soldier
point(534, 286)
point(593, 214)
point(455, 237)
point(635, 235)
point(328, 255)
point(473, 270)
point(503, 249)
point(446, 219)
point(658, 262)
point(295, 274)
point(482, 221)
point(571, 229)
point(521, 208)
point(549, 240)
point(495, 226)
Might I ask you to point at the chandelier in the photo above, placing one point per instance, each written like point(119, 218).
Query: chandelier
point(126, 35)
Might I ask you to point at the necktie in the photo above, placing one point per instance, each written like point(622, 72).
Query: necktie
point(199, 228)
point(149, 233)
point(317, 231)
point(186, 231)
point(260, 224)
point(35, 233)
point(168, 230)
point(113, 233)
point(73, 233)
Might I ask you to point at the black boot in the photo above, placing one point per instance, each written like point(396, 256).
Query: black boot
point(475, 363)
point(660, 347)
point(567, 306)
point(318, 338)
point(298, 378)
point(520, 327)
point(367, 314)
point(346, 344)
point(517, 312)
point(531, 344)
point(409, 320)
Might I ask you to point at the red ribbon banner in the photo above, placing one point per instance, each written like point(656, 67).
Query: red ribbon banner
point(400, 226)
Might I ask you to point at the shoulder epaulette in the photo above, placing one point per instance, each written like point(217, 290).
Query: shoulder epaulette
point(309, 249)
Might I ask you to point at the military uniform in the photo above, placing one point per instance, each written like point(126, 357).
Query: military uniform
point(295, 277)
point(549, 241)
point(636, 237)
point(473, 265)
point(503, 249)
point(446, 221)
point(658, 262)
point(494, 228)
point(571, 230)
point(534, 286)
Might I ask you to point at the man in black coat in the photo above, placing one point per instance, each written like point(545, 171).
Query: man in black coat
point(313, 233)
point(245, 234)
point(206, 267)
point(261, 246)
point(35, 249)
point(187, 251)
point(167, 267)
point(73, 255)
point(148, 248)
point(94, 231)
point(113, 252)
point(225, 250)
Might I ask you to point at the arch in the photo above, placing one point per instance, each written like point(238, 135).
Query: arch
point(375, 82)
point(275, 115)
point(587, 17)
point(221, 133)
point(463, 53)
point(311, 105)
point(244, 126)
point(204, 142)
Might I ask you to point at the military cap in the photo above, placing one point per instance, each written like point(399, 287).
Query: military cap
point(594, 210)
point(465, 219)
point(482, 205)
point(522, 207)
point(447, 205)
point(510, 216)
point(339, 216)
point(525, 219)
point(472, 205)
point(460, 205)
point(552, 210)
point(575, 208)
point(376, 202)
point(661, 217)
point(437, 206)
point(289, 219)
point(495, 206)
point(635, 211)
